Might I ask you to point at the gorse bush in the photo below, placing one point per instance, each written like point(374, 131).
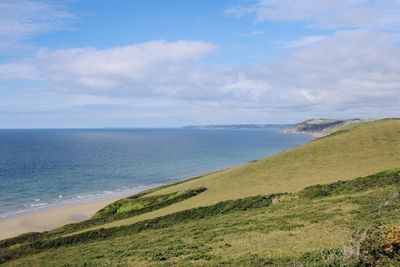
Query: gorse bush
point(391, 244)
point(135, 203)
point(163, 221)
point(376, 246)
point(391, 177)
point(28, 237)
point(147, 205)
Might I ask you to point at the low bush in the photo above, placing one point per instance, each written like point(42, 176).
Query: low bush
point(110, 216)
point(376, 246)
point(391, 177)
point(28, 237)
point(134, 203)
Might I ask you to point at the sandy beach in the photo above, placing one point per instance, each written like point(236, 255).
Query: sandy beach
point(50, 218)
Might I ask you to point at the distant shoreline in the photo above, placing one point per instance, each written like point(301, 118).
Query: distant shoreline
point(312, 134)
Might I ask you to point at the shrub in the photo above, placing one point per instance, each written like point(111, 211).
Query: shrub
point(391, 242)
point(377, 246)
point(114, 213)
point(391, 177)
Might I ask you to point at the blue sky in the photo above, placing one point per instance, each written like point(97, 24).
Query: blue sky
point(159, 63)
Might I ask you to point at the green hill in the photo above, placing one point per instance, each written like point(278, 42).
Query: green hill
point(364, 150)
point(266, 212)
point(323, 127)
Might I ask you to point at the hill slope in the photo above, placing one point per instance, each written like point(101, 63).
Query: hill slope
point(311, 228)
point(175, 230)
point(372, 147)
point(323, 127)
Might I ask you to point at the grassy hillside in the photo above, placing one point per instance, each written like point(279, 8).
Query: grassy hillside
point(334, 224)
point(270, 210)
point(323, 127)
point(367, 149)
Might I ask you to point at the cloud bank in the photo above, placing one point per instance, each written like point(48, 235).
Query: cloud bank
point(351, 69)
point(348, 70)
point(327, 14)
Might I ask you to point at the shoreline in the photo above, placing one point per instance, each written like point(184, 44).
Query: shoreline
point(78, 199)
point(313, 135)
point(57, 215)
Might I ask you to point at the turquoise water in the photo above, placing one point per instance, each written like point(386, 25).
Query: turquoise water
point(40, 168)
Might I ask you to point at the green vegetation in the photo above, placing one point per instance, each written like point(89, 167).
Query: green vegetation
point(238, 216)
point(137, 204)
point(322, 127)
point(108, 214)
point(389, 177)
point(312, 229)
point(370, 148)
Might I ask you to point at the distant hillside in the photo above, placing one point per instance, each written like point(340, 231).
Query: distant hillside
point(238, 126)
point(314, 127)
point(323, 127)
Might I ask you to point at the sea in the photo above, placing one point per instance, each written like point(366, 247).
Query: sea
point(40, 168)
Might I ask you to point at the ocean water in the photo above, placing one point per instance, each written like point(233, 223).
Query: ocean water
point(41, 168)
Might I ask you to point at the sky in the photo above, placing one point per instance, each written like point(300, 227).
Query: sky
point(169, 63)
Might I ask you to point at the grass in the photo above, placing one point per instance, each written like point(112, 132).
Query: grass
point(137, 203)
point(111, 212)
point(274, 228)
point(370, 148)
point(242, 218)
point(385, 178)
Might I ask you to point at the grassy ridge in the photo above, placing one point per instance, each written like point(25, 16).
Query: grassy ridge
point(223, 233)
point(367, 149)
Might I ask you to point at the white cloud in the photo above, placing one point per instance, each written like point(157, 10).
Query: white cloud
point(19, 70)
point(22, 19)
point(305, 41)
point(88, 100)
point(133, 69)
point(327, 14)
point(348, 73)
point(352, 68)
